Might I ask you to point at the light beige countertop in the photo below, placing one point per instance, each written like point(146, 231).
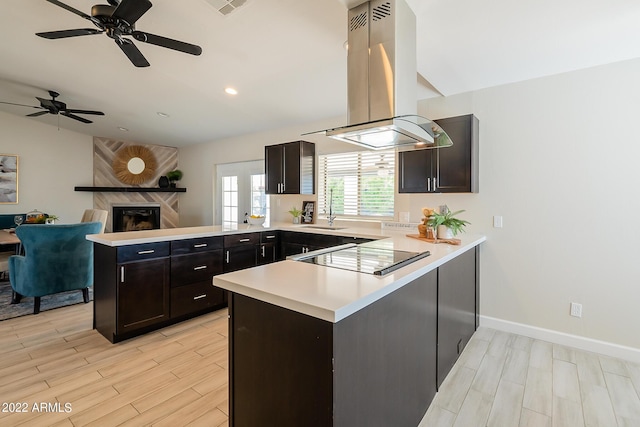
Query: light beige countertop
point(332, 294)
point(323, 292)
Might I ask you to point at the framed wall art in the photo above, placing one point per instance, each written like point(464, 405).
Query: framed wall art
point(308, 212)
point(8, 179)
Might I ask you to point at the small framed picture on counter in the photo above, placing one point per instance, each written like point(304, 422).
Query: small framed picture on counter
point(309, 212)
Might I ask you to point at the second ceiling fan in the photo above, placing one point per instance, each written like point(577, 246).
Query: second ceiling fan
point(117, 19)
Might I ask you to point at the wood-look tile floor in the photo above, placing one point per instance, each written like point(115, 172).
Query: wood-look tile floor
point(505, 380)
point(172, 377)
point(178, 376)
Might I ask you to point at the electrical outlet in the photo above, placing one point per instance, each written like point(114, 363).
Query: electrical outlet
point(497, 221)
point(576, 309)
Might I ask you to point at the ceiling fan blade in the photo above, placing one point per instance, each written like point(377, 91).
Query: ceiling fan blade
point(166, 42)
point(69, 33)
point(71, 9)
point(131, 10)
point(39, 113)
point(95, 113)
point(73, 116)
point(132, 52)
point(21, 105)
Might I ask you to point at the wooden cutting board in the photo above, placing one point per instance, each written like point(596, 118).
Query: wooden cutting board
point(424, 239)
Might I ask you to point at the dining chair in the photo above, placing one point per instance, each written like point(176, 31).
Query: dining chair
point(95, 215)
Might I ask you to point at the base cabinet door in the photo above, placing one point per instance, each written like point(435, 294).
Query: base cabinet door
point(456, 309)
point(143, 294)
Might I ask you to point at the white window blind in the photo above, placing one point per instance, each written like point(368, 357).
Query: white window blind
point(359, 184)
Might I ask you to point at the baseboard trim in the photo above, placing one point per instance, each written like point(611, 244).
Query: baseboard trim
point(596, 346)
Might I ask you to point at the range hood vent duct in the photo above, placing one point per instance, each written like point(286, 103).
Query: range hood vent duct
point(382, 81)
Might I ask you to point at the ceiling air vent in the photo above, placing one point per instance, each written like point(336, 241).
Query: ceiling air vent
point(225, 7)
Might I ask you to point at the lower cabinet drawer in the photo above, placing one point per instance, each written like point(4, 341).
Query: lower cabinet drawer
point(195, 297)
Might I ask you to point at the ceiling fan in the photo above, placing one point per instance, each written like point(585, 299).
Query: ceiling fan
point(117, 19)
point(52, 106)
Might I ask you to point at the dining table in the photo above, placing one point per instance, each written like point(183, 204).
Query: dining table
point(9, 239)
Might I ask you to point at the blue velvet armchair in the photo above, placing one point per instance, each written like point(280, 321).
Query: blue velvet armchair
point(58, 258)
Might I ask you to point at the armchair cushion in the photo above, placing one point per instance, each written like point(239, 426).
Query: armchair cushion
point(57, 258)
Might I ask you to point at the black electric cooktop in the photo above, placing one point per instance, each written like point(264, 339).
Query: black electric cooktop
point(378, 261)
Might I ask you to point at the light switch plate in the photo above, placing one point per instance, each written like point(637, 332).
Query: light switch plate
point(497, 221)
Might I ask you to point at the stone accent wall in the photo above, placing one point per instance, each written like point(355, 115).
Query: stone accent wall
point(104, 151)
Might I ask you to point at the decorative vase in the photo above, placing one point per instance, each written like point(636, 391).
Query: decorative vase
point(296, 220)
point(444, 232)
point(163, 182)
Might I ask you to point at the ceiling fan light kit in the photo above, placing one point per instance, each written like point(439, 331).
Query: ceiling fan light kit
point(117, 20)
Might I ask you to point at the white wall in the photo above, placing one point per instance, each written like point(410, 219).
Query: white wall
point(51, 163)
point(559, 161)
point(198, 164)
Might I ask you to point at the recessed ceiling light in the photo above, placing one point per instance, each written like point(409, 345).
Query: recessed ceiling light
point(123, 129)
point(163, 115)
point(230, 91)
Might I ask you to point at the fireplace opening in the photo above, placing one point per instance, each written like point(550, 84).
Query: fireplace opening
point(136, 218)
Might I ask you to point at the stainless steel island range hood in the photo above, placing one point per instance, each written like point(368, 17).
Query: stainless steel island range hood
point(382, 81)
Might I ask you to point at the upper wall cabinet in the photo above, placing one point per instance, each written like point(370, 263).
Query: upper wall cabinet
point(444, 170)
point(290, 168)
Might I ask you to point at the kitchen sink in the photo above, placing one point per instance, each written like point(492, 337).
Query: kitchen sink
point(324, 227)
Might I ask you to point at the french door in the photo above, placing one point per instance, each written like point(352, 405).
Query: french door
point(240, 190)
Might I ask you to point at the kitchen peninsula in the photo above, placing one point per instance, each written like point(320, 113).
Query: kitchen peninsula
point(309, 344)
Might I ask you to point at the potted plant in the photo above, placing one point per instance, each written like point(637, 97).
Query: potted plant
point(174, 176)
point(446, 223)
point(51, 219)
point(295, 212)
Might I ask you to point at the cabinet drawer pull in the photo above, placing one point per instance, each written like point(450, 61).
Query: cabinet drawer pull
point(200, 245)
point(200, 297)
point(434, 183)
point(263, 253)
point(200, 267)
point(150, 251)
point(227, 257)
point(244, 240)
point(428, 184)
point(270, 237)
point(122, 274)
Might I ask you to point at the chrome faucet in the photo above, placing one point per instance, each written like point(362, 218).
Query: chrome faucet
point(331, 216)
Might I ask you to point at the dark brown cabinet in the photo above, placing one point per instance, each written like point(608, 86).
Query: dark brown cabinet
point(194, 262)
point(290, 168)
point(143, 294)
point(445, 170)
point(269, 247)
point(293, 242)
point(131, 289)
point(457, 308)
point(240, 251)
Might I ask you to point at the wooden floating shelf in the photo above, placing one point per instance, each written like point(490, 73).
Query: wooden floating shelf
point(132, 189)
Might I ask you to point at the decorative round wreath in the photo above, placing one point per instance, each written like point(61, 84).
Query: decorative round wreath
point(134, 165)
